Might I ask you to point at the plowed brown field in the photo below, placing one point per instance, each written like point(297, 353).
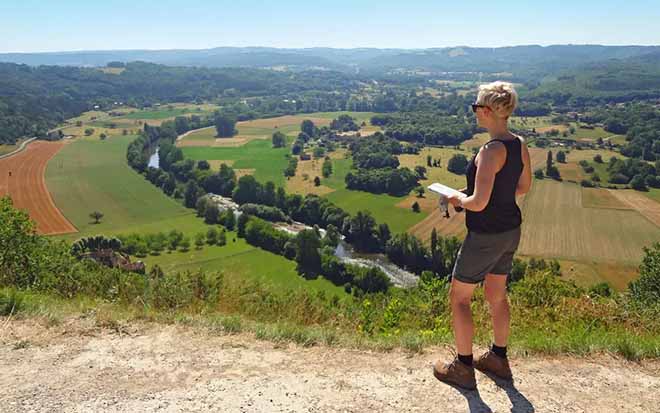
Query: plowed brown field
point(27, 188)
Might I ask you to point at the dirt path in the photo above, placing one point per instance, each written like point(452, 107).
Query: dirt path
point(27, 186)
point(78, 367)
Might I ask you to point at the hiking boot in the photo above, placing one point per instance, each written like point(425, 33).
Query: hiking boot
point(456, 372)
point(491, 363)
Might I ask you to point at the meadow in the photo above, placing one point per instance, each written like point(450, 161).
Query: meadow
point(267, 162)
point(240, 260)
point(92, 175)
point(558, 226)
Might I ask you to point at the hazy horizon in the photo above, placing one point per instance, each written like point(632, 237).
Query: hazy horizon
point(76, 25)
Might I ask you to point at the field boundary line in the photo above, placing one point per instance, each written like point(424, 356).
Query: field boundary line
point(19, 149)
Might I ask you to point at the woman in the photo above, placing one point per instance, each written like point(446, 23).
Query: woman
point(500, 171)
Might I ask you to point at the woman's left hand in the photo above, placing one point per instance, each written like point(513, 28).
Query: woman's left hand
point(455, 200)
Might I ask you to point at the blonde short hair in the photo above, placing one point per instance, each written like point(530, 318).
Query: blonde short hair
point(500, 97)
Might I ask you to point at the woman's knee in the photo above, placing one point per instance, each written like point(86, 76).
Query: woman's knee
point(457, 298)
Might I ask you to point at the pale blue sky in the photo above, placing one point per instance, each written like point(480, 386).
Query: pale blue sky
point(58, 25)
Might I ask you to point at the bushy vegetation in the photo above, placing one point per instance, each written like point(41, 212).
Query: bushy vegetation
point(579, 321)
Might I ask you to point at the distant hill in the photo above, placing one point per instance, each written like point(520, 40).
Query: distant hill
point(518, 59)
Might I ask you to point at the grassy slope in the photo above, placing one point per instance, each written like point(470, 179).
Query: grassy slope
point(89, 175)
point(240, 260)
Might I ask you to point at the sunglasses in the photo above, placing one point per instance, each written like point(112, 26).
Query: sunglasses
point(476, 106)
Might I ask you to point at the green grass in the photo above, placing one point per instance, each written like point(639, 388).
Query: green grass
point(268, 162)
point(156, 114)
point(383, 208)
point(89, 175)
point(653, 193)
point(241, 260)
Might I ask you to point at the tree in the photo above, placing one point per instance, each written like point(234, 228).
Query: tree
point(638, 183)
point(548, 163)
point(420, 171)
point(174, 239)
point(240, 225)
point(228, 220)
point(190, 194)
point(308, 128)
point(103, 136)
point(561, 157)
point(361, 231)
point(420, 191)
point(203, 165)
point(434, 240)
point(200, 240)
point(212, 236)
point(279, 140)
point(307, 252)
point(21, 246)
point(222, 238)
point(646, 289)
point(598, 158)
point(327, 168)
point(383, 233)
point(538, 173)
point(211, 214)
point(89, 132)
point(185, 244)
point(96, 216)
point(225, 124)
point(317, 181)
point(415, 207)
point(429, 161)
point(457, 164)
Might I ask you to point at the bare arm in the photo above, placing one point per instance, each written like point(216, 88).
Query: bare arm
point(491, 160)
point(525, 180)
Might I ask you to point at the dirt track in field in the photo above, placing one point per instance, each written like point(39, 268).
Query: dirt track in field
point(27, 187)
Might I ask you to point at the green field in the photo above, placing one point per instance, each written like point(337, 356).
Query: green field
point(89, 175)
point(241, 260)
point(258, 154)
point(382, 206)
point(157, 114)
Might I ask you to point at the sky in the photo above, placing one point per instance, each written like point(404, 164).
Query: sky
point(64, 25)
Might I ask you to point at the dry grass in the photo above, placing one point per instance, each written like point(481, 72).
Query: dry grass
point(243, 172)
point(312, 168)
point(215, 164)
point(588, 273)
point(112, 70)
point(281, 121)
point(556, 225)
point(601, 198)
point(452, 226)
point(649, 208)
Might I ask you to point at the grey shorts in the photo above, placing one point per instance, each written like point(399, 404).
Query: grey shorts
point(483, 253)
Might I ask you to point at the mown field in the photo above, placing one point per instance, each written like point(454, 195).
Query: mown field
point(267, 162)
point(240, 260)
point(558, 226)
point(92, 175)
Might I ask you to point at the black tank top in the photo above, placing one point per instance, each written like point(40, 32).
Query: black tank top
point(502, 213)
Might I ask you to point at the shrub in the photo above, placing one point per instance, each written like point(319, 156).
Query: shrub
point(646, 289)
